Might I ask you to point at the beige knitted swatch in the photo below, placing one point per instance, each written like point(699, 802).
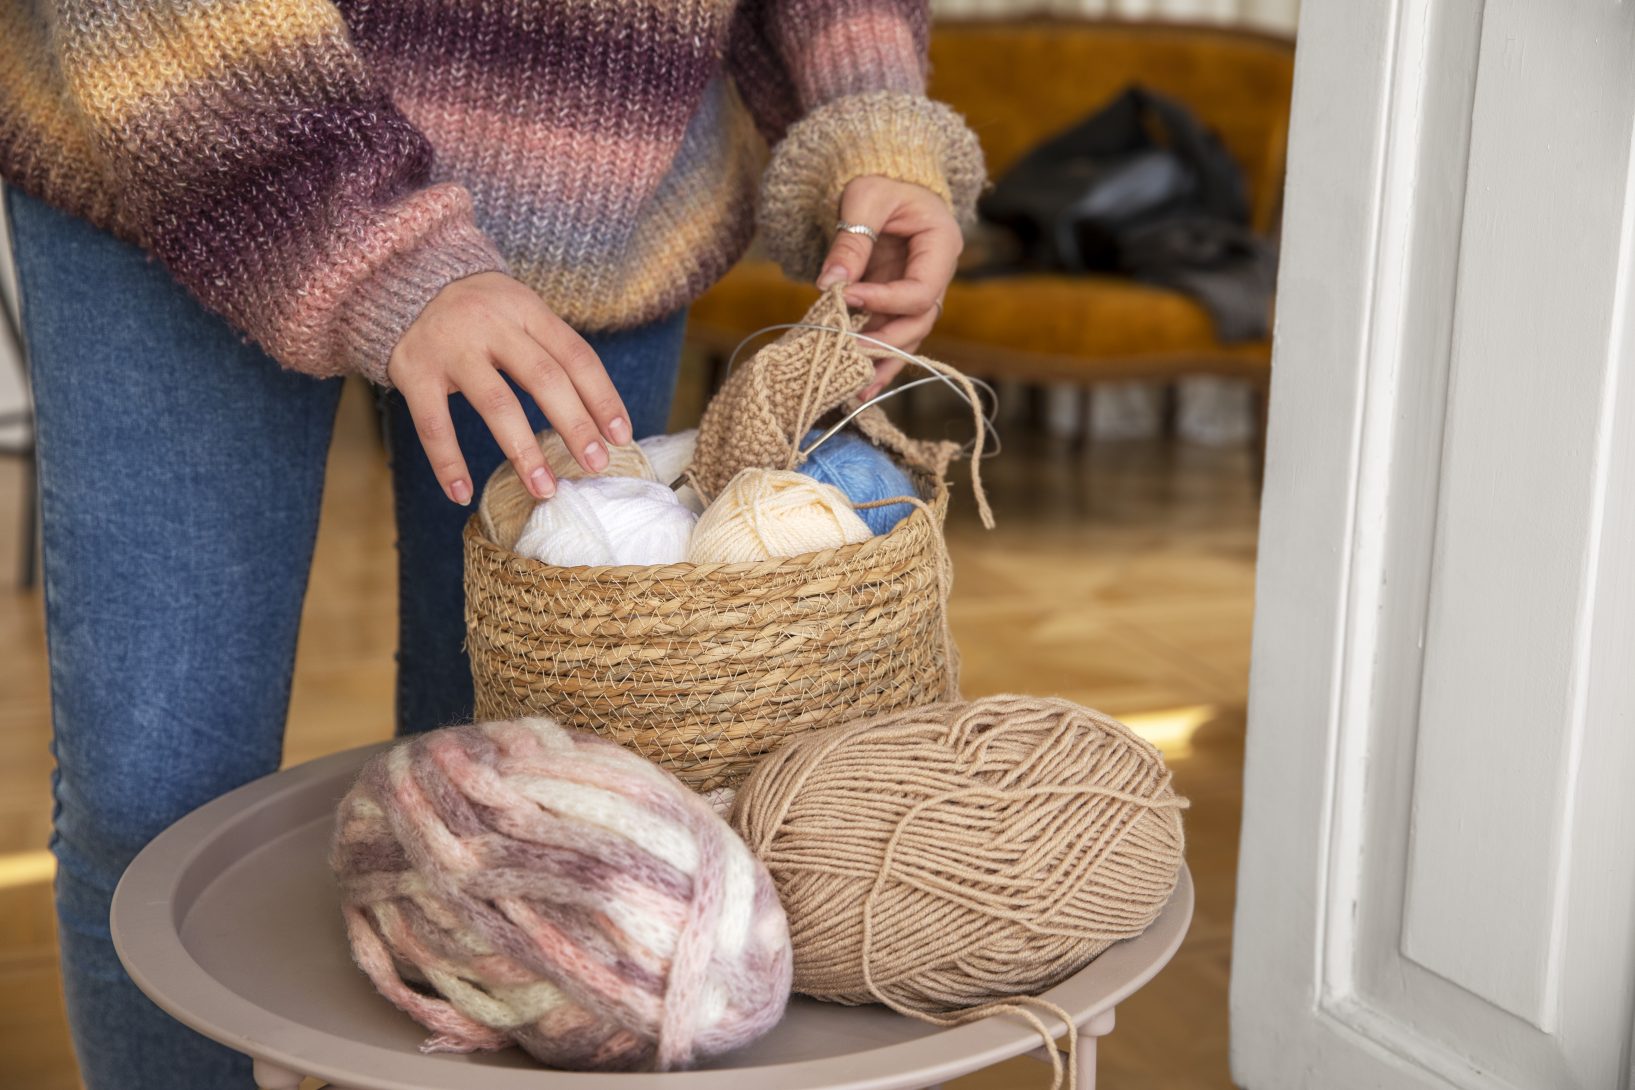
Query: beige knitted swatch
point(769, 403)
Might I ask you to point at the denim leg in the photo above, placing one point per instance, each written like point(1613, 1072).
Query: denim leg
point(181, 472)
point(433, 673)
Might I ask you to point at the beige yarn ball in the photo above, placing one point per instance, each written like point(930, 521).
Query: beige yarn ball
point(962, 853)
point(763, 513)
point(506, 502)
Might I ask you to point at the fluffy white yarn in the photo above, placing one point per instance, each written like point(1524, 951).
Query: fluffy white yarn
point(670, 454)
point(608, 521)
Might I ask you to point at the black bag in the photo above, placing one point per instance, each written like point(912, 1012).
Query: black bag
point(1084, 200)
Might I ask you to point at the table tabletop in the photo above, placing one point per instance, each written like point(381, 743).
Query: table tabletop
point(230, 921)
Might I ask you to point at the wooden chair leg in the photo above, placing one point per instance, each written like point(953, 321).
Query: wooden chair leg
point(1038, 402)
point(1169, 413)
point(1087, 419)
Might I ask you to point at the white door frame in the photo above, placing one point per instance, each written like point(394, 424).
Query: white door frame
point(1380, 253)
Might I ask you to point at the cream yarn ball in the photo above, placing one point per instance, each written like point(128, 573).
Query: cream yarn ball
point(763, 513)
point(609, 521)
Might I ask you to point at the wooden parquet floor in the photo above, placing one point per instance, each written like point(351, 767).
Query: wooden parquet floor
point(1122, 579)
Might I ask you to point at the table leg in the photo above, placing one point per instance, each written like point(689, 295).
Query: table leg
point(1089, 1035)
point(272, 1077)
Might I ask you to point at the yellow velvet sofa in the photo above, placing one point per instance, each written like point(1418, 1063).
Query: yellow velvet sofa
point(1018, 82)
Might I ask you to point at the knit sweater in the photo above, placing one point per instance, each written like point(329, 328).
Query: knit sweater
point(317, 171)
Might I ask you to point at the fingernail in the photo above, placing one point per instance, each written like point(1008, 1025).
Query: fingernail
point(542, 484)
point(595, 456)
point(460, 492)
point(618, 430)
point(834, 274)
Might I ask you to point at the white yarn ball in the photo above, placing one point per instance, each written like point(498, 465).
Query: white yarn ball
point(669, 455)
point(763, 513)
point(608, 521)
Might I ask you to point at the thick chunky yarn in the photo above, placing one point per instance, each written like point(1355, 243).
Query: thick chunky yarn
point(608, 521)
point(958, 854)
point(317, 170)
point(864, 472)
point(765, 513)
point(514, 882)
point(506, 502)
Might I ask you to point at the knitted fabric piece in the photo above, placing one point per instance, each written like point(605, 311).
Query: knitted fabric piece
point(769, 403)
point(904, 137)
point(316, 172)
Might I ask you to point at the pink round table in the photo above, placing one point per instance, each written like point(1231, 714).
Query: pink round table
point(230, 921)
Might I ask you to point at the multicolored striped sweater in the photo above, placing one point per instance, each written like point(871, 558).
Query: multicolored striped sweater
point(317, 171)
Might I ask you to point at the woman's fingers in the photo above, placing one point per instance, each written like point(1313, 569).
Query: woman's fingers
point(907, 332)
point(498, 406)
point(906, 296)
point(594, 389)
point(864, 206)
point(537, 372)
point(428, 406)
point(933, 255)
point(884, 371)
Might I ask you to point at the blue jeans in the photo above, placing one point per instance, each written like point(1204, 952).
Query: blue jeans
point(180, 471)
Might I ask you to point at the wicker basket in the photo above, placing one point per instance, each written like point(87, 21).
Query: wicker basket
point(703, 668)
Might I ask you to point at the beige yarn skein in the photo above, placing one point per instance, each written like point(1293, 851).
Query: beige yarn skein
point(965, 853)
point(763, 513)
point(506, 502)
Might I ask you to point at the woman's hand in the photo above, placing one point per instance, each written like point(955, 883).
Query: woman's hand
point(473, 330)
point(899, 280)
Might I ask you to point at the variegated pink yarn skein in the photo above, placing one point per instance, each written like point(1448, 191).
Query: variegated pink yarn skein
point(515, 882)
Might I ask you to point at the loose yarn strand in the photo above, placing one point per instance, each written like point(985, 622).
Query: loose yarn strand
point(1019, 1005)
point(806, 415)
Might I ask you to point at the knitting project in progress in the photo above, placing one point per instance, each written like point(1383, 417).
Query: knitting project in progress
point(515, 882)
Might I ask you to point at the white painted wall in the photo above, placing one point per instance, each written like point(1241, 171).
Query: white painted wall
point(1437, 888)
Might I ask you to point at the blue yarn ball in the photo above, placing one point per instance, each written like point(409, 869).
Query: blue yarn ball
point(864, 472)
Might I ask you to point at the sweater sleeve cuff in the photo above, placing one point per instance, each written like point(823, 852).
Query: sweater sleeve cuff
point(352, 312)
point(895, 134)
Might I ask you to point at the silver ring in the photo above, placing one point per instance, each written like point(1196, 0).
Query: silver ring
point(938, 304)
point(858, 229)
